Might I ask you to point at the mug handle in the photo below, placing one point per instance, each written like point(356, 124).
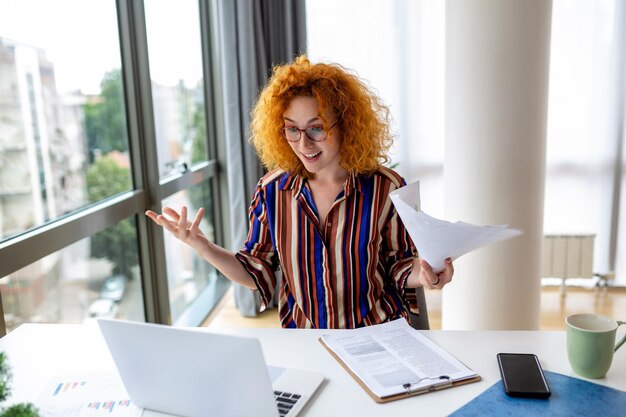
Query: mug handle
point(621, 342)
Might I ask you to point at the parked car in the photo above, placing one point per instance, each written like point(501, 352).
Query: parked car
point(102, 307)
point(113, 287)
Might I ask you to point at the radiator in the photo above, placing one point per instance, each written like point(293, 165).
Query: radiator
point(567, 256)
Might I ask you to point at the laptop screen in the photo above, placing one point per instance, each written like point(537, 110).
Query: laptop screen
point(190, 371)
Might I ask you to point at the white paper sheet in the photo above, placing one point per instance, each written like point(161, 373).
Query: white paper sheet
point(393, 358)
point(437, 239)
point(88, 395)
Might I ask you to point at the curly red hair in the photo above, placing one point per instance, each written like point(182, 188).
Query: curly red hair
point(362, 117)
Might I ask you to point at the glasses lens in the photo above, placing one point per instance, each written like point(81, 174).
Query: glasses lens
point(291, 134)
point(316, 133)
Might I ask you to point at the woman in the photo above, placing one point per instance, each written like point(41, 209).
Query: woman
point(322, 213)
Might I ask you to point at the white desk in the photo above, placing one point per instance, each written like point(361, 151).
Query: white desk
point(40, 352)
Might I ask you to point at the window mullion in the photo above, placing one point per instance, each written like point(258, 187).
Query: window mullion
point(33, 245)
point(144, 160)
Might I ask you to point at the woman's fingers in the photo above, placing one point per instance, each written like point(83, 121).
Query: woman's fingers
point(182, 220)
point(432, 280)
point(449, 270)
point(445, 276)
point(178, 218)
point(428, 278)
point(167, 224)
point(171, 212)
point(153, 216)
point(157, 218)
point(177, 223)
point(196, 221)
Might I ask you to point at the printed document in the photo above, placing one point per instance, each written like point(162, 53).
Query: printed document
point(436, 239)
point(393, 358)
point(87, 395)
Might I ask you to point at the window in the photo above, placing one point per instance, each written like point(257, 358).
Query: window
point(98, 276)
point(582, 119)
point(179, 112)
point(192, 282)
point(62, 114)
point(404, 60)
point(87, 145)
point(177, 83)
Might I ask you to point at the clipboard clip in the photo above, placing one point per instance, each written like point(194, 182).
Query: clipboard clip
point(443, 381)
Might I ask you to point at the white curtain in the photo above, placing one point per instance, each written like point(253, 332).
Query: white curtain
point(398, 47)
point(585, 120)
point(250, 38)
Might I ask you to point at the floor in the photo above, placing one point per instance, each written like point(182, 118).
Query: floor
point(554, 308)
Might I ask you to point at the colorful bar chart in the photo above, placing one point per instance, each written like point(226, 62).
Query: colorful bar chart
point(108, 406)
point(87, 395)
point(63, 387)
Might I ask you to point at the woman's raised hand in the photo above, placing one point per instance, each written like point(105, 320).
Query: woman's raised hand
point(432, 280)
point(180, 227)
point(190, 233)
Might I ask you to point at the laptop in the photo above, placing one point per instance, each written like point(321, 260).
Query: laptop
point(194, 373)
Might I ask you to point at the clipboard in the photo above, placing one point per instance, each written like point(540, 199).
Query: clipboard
point(443, 382)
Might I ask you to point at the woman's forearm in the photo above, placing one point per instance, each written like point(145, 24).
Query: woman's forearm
point(413, 281)
point(226, 262)
point(190, 233)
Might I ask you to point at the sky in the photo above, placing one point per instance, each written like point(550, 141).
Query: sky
point(81, 38)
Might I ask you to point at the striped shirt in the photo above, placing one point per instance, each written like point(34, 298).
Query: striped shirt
point(349, 272)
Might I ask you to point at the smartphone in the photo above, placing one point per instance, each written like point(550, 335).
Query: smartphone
point(522, 375)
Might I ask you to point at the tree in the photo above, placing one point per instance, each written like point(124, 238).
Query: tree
point(198, 148)
point(199, 195)
point(107, 177)
point(107, 135)
point(16, 410)
point(105, 117)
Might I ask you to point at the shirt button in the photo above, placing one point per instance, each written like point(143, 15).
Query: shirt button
point(329, 224)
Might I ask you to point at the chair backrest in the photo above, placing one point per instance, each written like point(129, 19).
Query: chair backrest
point(420, 321)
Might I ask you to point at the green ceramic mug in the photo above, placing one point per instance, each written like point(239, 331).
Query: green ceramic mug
point(591, 343)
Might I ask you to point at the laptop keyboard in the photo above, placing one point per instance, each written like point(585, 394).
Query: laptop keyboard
point(285, 401)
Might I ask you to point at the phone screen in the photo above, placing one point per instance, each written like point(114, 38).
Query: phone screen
point(522, 375)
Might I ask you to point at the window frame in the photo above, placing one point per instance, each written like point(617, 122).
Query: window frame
point(148, 189)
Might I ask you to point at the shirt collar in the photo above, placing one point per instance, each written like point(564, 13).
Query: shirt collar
point(353, 183)
point(291, 182)
point(296, 182)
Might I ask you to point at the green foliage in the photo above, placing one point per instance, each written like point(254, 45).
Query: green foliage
point(198, 148)
point(118, 244)
point(5, 377)
point(21, 410)
point(105, 117)
point(16, 410)
point(105, 177)
point(200, 195)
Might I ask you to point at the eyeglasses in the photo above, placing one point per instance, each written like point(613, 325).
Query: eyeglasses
point(315, 133)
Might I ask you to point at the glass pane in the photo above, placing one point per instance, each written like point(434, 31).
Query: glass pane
point(177, 83)
point(95, 277)
point(581, 136)
point(61, 110)
point(190, 276)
